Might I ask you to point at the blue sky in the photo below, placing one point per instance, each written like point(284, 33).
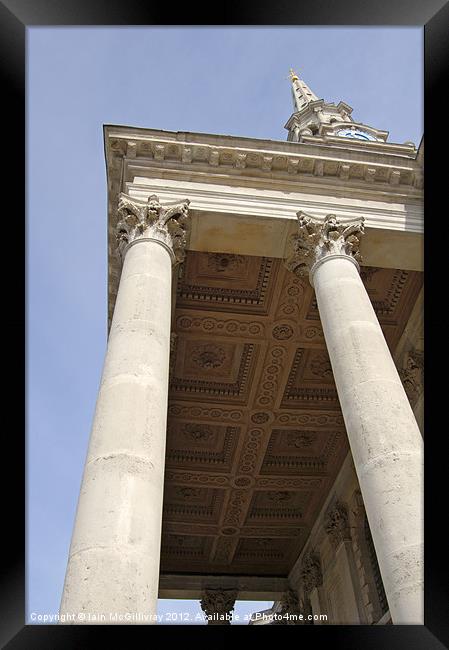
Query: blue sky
point(230, 81)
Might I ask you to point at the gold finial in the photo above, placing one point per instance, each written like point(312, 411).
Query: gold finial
point(293, 75)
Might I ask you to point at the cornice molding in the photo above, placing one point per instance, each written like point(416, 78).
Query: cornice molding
point(383, 164)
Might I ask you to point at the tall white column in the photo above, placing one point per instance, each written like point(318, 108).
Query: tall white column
point(113, 566)
point(385, 441)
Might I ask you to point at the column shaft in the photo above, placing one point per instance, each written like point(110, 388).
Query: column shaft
point(114, 556)
point(384, 437)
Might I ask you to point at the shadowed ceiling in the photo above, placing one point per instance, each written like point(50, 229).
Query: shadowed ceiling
point(255, 433)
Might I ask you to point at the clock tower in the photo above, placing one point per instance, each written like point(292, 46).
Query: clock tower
point(314, 117)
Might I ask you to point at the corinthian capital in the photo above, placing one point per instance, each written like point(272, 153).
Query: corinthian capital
point(218, 604)
point(316, 240)
point(337, 524)
point(311, 574)
point(150, 220)
point(289, 609)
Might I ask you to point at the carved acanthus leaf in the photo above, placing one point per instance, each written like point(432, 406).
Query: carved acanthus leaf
point(317, 239)
point(311, 574)
point(289, 601)
point(289, 609)
point(337, 524)
point(412, 375)
point(169, 225)
point(218, 604)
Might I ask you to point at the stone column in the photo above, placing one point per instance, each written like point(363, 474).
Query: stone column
point(113, 565)
point(383, 434)
point(218, 605)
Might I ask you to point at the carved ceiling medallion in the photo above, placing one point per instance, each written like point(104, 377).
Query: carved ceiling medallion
point(208, 356)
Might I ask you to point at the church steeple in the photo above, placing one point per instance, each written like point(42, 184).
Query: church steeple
point(301, 93)
point(313, 117)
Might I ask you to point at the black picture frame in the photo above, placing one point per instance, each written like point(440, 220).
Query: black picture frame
point(15, 17)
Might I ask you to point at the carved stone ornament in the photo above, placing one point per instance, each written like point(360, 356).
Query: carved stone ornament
point(289, 611)
point(208, 356)
point(218, 604)
point(311, 574)
point(279, 497)
point(221, 262)
point(412, 375)
point(318, 239)
point(300, 439)
point(197, 432)
point(290, 601)
point(170, 224)
point(337, 524)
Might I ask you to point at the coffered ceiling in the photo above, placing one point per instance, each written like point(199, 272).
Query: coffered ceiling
point(255, 433)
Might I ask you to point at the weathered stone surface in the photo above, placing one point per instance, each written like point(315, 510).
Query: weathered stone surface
point(115, 551)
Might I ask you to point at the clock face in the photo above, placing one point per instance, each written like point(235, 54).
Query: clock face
point(357, 134)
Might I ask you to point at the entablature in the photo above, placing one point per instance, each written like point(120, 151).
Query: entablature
point(371, 163)
point(244, 192)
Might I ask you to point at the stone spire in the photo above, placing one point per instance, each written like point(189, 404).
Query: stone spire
point(314, 117)
point(301, 93)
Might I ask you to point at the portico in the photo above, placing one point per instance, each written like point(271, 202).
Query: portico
point(252, 422)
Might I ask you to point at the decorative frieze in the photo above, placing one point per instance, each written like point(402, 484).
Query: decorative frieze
point(344, 171)
point(240, 160)
point(159, 152)
point(328, 420)
point(250, 451)
point(186, 156)
point(304, 162)
point(273, 368)
point(316, 240)
point(395, 176)
point(370, 173)
point(195, 478)
point(267, 161)
point(291, 299)
point(292, 165)
point(214, 157)
point(318, 170)
point(313, 483)
point(237, 507)
point(204, 413)
point(221, 327)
